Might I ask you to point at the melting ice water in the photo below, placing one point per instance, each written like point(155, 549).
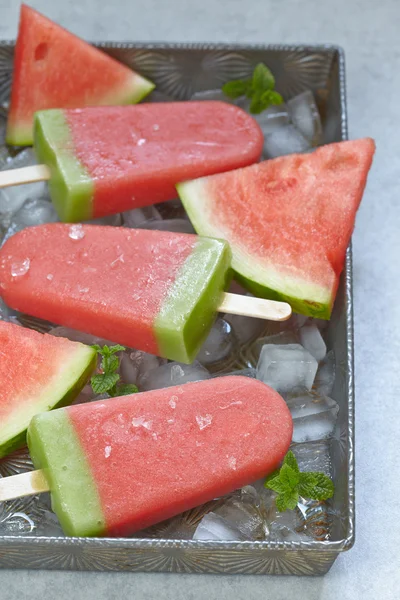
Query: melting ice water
point(76, 232)
point(20, 268)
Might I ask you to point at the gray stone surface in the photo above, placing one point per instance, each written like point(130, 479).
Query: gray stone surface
point(368, 31)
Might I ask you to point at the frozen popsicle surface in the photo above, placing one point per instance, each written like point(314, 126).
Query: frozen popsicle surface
point(105, 160)
point(150, 290)
point(117, 466)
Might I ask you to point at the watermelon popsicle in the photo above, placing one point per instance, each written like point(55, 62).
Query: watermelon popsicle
point(116, 466)
point(105, 160)
point(150, 290)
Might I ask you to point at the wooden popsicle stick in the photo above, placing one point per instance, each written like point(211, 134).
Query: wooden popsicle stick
point(30, 174)
point(25, 484)
point(235, 304)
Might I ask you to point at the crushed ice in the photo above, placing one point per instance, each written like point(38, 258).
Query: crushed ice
point(76, 232)
point(203, 421)
point(141, 422)
point(172, 401)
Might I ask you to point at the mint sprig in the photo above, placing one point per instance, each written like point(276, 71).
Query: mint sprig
point(107, 380)
point(290, 483)
point(259, 89)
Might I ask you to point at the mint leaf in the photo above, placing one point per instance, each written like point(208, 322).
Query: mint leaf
point(291, 460)
point(116, 348)
point(289, 482)
point(98, 348)
point(289, 477)
point(316, 486)
point(307, 484)
point(103, 382)
point(256, 104)
point(124, 389)
point(271, 97)
point(273, 482)
point(110, 364)
point(263, 80)
point(287, 500)
point(236, 88)
point(107, 380)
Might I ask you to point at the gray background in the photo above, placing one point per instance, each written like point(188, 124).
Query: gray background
point(369, 32)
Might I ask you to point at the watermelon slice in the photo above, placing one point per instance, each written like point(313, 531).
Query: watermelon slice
point(37, 373)
point(288, 220)
point(55, 69)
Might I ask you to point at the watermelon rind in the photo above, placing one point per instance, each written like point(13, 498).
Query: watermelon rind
point(61, 391)
point(259, 277)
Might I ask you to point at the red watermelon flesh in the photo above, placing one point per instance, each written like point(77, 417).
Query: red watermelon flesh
point(55, 69)
point(37, 372)
point(288, 220)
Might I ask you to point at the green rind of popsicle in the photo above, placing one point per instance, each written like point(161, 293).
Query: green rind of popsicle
point(187, 315)
point(55, 448)
point(58, 393)
point(71, 187)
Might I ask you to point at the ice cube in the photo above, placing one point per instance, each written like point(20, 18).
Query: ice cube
point(270, 119)
point(325, 377)
point(313, 456)
point(47, 523)
point(305, 116)
point(33, 212)
point(140, 216)
point(285, 140)
point(136, 364)
point(322, 324)
point(245, 328)
point(172, 373)
point(312, 340)
point(314, 416)
point(274, 332)
point(297, 320)
point(220, 346)
point(214, 527)
point(242, 512)
point(16, 516)
point(13, 197)
point(212, 95)
point(176, 225)
point(286, 367)
point(286, 526)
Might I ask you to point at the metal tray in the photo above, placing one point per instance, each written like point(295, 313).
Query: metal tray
point(179, 70)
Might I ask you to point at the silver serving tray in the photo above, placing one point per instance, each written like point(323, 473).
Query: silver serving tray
point(180, 70)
